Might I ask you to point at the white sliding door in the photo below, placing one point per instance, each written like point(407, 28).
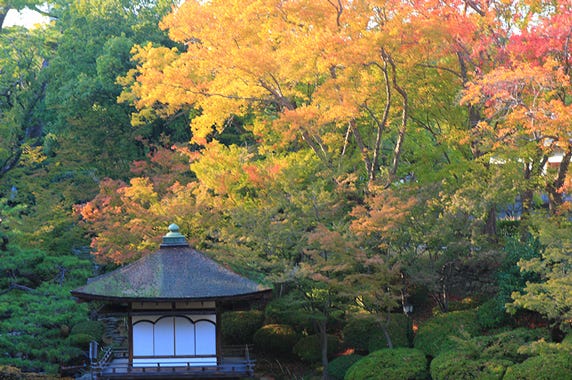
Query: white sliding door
point(206, 338)
point(174, 340)
point(184, 337)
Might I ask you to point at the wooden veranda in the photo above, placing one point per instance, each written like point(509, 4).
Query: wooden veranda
point(234, 364)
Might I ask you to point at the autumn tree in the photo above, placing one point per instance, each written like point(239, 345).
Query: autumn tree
point(344, 78)
point(526, 107)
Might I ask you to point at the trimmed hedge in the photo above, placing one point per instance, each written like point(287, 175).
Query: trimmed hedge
point(278, 339)
point(309, 348)
point(435, 335)
point(238, 327)
point(338, 367)
point(364, 334)
point(542, 367)
point(506, 345)
point(455, 365)
point(390, 364)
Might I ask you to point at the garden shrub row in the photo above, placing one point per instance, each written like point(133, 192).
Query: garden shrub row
point(362, 333)
point(452, 341)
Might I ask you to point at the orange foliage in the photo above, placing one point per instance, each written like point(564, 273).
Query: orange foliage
point(383, 213)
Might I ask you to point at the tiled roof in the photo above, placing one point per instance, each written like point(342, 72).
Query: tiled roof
point(174, 272)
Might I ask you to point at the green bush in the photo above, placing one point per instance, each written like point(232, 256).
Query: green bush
point(492, 313)
point(506, 345)
point(435, 336)
point(277, 339)
point(287, 310)
point(94, 329)
point(364, 334)
point(542, 367)
point(567, 340)
point(309, 348)
point(456, 365)
point(390, 364)
point(80, 340)
point(238, 327)
point(338, 367)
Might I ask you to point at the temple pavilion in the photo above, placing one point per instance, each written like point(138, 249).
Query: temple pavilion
point(172, 300)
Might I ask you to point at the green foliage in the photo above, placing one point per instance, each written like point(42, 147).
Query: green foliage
point(338, 367)
point(508, 228)
point(435, 336)
point(510, 277)
point(288, 310)
point(93, 329)
point(390, 364)
point(80, 340)
point(509, 344)
point(455, 365)
point(32, 336)
point(542, 367)
point(485, 357)
point(567, 340)
point(492, 313)
point(549, 291)
point(35, 306)
point(364, 333)
point(278, 339)
point(309, 348)
point(238, 327)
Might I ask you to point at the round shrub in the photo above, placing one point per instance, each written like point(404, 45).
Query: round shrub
point(238, 327)
point(364, 333)
point(455, 365)
point(390, 364)
point(94, 329)
point(309, 348)
point(435, 335)
point(338, 367)
point(542, 367)
point(277, 339)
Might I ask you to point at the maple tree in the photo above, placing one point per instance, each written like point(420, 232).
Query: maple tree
point(526, 108)
point(342, 77)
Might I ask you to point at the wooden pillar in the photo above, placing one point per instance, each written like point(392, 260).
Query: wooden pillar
point(218, 310)
point(130, 334)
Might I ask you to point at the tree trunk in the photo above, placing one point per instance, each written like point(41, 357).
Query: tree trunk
point(490, 228)
point(555, 195)
point(383, 326)
point(322, 328)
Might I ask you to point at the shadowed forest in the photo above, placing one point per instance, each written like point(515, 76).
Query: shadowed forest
point(397, 171)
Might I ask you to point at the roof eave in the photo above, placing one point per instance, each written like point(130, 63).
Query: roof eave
point(260, 294)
